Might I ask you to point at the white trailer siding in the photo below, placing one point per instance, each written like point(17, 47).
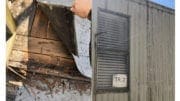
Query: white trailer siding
point(151, 51)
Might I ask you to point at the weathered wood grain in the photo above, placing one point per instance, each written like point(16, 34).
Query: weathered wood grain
point(51, 33)
point(41, 46)
point(18, 57)
point(53, 72)
point(40, 25)
point(62, 22)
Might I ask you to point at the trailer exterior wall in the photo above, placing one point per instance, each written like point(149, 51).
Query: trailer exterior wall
point(151, 51)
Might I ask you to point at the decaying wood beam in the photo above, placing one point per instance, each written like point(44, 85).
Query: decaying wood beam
point(11, 69)
point(16, 83)
point(9, 46)
point(55, 73)
point(47, 71)
point(12, 27)
point(10, 42)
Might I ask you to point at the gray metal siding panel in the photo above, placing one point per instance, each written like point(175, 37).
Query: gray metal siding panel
point(151, 52)
point(138, 58)
point(112, 97)
point(161, 56)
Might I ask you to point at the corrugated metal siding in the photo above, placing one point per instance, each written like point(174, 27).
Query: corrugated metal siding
point(138, 58)
point(151, 51)
point(160, 56)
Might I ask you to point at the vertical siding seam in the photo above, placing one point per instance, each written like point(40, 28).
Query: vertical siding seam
point(149, 92)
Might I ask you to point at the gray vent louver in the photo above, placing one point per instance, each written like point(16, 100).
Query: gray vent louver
point(112, 48)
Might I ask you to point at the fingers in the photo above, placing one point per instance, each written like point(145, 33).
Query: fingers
point(73, 6)
point(81, 7)
point(72, 9)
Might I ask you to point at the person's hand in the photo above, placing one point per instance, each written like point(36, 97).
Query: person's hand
point(82, 7)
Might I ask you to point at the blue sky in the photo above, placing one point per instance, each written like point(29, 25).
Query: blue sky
point(168, 3)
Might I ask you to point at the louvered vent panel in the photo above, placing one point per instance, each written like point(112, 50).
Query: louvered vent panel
point(112, 48)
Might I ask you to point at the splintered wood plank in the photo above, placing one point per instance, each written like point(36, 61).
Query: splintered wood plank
point(53, 72)
point(56, 73)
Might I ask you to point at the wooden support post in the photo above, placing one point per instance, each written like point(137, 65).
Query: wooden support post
point(10, 42)
point(12, 27)
point(10, 20)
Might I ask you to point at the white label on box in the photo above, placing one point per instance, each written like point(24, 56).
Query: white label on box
point(119, 80)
